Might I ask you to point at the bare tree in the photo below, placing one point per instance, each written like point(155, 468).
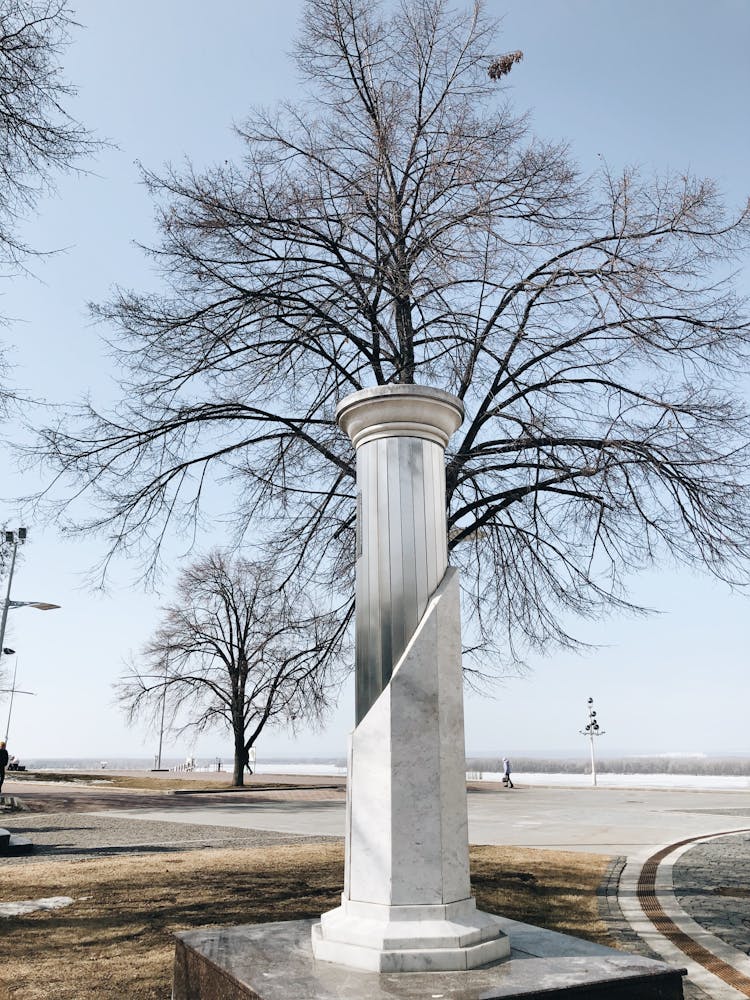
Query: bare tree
point(236, 652)
point(401, 224)
point(38, 136)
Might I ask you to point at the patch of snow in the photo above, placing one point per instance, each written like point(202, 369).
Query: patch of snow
point(24, 906)
point(312, 769)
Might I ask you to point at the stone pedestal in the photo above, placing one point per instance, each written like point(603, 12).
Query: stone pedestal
point(275, 962)
point(407, 904)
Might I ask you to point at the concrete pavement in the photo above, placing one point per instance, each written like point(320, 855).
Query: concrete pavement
point(594, 820)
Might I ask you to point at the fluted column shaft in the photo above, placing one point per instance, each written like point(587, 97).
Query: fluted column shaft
point(400, 433)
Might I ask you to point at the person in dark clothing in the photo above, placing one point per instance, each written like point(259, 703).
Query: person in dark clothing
point(3, 762)
point(506, 774)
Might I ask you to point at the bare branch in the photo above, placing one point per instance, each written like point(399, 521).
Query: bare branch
point(403, 225)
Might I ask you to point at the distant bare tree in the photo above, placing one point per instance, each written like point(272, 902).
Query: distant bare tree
point(401, 225)
point(236, 652)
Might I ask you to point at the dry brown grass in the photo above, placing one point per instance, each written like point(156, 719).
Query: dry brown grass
point(553, 889)
point(145, 782)
point(115, 941)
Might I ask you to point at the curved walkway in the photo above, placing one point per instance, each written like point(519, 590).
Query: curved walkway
point(690, 903)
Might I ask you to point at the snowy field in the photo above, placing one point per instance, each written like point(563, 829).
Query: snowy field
point(606, 780)
point(716, 782)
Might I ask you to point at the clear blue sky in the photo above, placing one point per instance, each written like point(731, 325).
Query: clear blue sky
point(664, 85)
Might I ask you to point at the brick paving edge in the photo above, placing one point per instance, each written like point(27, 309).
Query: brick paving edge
point(612, 915)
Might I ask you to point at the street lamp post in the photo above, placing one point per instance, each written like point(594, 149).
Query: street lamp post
point(13, 691)
point(164, 678)
point(14, 539)
point(161, 724)
point(592, 729)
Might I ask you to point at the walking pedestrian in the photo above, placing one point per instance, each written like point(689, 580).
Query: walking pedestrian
point(3, 763)
point(506, 774)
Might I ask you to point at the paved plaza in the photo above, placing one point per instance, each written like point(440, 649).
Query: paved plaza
point(699, 882)
point(595, 820)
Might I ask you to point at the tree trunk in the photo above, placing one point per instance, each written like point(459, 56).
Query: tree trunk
point(240, 759)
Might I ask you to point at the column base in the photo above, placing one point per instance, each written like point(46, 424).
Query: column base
point(274, 962)
point(446, 937)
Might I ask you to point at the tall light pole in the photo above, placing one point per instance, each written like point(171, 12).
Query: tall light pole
point(161, 724)
point(13, 691)
point(592, 729)
point(12, 537)
point(164, 678)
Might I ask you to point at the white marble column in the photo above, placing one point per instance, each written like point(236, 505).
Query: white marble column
point(406, 904)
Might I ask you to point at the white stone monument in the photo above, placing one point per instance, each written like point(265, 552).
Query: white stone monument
point(406, 905)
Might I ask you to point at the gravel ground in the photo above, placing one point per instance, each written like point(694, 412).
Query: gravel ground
point(68, 836)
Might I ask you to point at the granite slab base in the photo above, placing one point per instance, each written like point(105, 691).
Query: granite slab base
point(275, 962)
point(10, 845)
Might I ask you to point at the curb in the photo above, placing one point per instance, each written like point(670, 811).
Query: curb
point(611, 913)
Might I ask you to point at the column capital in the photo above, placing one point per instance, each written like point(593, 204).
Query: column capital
point(384, 411)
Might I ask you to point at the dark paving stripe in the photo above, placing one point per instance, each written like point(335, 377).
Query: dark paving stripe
point(87, 799)
point(666, 926)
